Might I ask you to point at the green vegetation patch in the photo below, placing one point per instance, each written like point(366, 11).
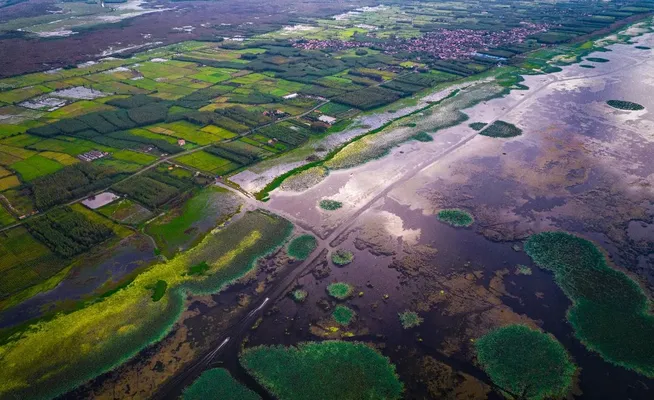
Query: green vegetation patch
point(478, 125)
point(625, 105)
point(218, 384)
point(525, 363)
point(302, 246)
point(597, 59)
point(340, 290)
point(410, 319)
point(331, 370)
point(158, 290)
point(299, 295)
point(330, 205)
point(343, 315)
point(455, 217)
point(423, 137)
point(186, 224)
point(643, 47)
point(35, 167)
point(501, 129)
point(342, 257)
point(587, 66)
point(523, 270)
point(610, 312)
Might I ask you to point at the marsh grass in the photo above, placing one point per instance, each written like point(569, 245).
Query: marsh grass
point(340, 290)
point(302, 246)
point(410, 319)
point(330, 205)
point(609, 312)
point(299, 295)
point(501, 129)
point(330, 370)
point(342, 257)
point(218, 384)
point(343, 315)
point(526, 363)
point(455, 217)
point(625, 105)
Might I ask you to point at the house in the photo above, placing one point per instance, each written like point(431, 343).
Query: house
point(327, 119)
point(290, 96)
point(181, 142)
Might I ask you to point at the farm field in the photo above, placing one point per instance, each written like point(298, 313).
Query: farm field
point(386, 201)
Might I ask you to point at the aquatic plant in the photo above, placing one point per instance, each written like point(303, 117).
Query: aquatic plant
point(299, 295)
point(522, 270)
point(597, 59)
point(330, 205)
point(501, 129)
point(587, 66)
point(423, 137)
point(158, 290)
point(342, 257)
point(477, 125)
point(340, 290)
point(218, 384)
point(643, 47)
point(625, 105)
point(343, 315)
point(72, 348)
point(455, 217)
point(609, 312)
point(302, 246)
point(330, 370)
point(525, 363)
point(410, 319)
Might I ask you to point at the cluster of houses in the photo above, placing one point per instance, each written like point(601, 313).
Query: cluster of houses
point(446, 44)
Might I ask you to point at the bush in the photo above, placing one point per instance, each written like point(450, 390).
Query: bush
point(330, 205)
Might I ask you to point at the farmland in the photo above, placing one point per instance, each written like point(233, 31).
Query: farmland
point(224, 214)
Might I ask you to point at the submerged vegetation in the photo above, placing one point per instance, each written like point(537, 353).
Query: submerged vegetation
point(501, 129)
point(456, 217)
point(342, 257)
point(331, 370)
point(343, 315)
point(410, 319)
point(523, 270)
point(340, 290)
point(218, 384)
point(525, 363)
point(597, 59)
point(330, 205)
point(625, 105)
point(302, 246)
point(75, 347)
point(610, 312)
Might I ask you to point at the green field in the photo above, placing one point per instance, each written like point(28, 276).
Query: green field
point(206, 162)
point(35, 167)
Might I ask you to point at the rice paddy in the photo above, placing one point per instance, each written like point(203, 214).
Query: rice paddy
point(331, 370)
point(610, 313)
point(525, 363)
point(455, 217)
